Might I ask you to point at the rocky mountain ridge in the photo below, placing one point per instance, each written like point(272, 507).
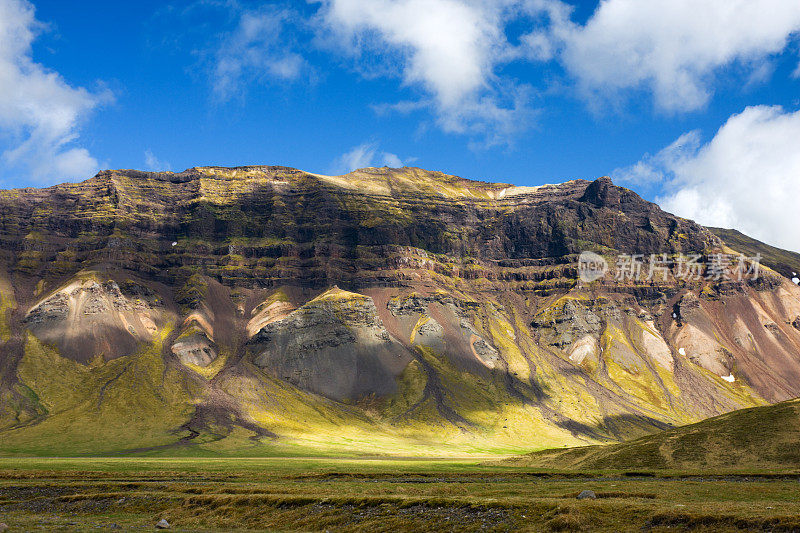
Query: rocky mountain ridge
point(249, 309)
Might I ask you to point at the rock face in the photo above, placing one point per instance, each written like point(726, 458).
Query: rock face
point(262, 226)
point(335, 345)
point(142, 310)
point(195, 348)
point(91, 317)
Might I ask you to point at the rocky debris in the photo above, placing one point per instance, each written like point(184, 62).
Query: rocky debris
point(587, 346)
point(410, 305)
point(334, 345)
point(656, 347)
point(765, 281)
point(450, 333)
point(314, 329)
point(587, 495)
point(687, 306)
point(163, 524)
point(729, 288)
point(92, 297)
point(485, 351)
point(88, 317)
point(195, 348)
point(52, 309)
point(431, 327)
point(196, 343)
point(572, 319)
point(417, 304)
point(602, 331)
point(430, 333)
point(266, 313)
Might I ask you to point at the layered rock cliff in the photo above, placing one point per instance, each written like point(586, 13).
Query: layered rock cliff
point(254, 308)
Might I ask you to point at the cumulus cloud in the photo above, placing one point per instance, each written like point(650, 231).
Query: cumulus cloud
point(449, 49)
point(40, 113)
point(672, 48)
point(365, 155)
point(455, 51)
point(746, 177)
point(256, 49)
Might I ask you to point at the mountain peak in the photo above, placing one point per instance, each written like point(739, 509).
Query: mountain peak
point(603, 193)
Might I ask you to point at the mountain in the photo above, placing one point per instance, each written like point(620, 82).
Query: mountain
point(782, 261)
point(758, 439)
point(257, 310)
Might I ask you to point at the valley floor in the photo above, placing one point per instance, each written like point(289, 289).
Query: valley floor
point(351, 494)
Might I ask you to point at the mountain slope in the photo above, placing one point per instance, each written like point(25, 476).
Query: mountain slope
point(262, 310)
point(783, 261)
point(761, 438)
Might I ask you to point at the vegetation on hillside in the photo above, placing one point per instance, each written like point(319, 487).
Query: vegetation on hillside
point(757, 439)
point(783, 261)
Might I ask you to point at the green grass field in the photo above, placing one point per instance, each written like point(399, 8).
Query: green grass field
point(319, 494)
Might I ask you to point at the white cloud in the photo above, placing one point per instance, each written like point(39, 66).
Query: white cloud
point(40, 113)
point(652, 168)
point(673, 48)
point(454, 51)
point(257, 49)
point(450, 49)
point(151, 162)
point(447, 43)
point(746, 177)
point(391, 160)
point(365, 155)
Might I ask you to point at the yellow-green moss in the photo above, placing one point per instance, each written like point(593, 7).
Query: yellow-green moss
point(126, 403)
point(7, 303)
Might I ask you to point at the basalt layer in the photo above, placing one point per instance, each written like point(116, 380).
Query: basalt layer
point(255, 309)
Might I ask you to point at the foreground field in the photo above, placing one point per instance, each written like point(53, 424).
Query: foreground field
point(379, 495)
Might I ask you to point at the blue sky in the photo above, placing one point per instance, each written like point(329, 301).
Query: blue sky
point(691, 103)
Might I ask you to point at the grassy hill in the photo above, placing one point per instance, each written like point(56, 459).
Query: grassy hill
point(750, 440)
point(783, 261)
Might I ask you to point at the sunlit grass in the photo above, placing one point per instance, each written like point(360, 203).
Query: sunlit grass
point(358, 494)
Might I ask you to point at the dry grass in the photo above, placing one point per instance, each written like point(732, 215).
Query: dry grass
point(398, 496)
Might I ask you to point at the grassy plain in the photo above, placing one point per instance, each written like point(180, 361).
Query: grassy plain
point(357, 494)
